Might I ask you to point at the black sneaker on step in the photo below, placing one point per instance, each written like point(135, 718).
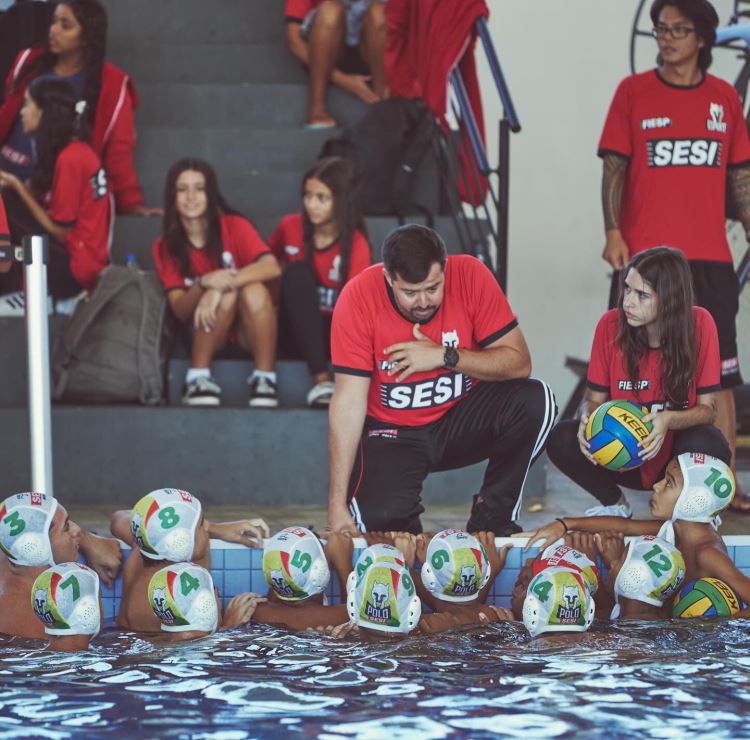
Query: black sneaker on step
point(203, 391)
point(485, 519)
point(263, 393)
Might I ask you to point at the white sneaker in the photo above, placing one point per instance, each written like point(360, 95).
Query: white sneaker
point(13, 304)
point(622, 510)
point(320, 395)
point(66, 306)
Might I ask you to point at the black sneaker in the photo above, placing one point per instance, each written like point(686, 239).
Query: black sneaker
point(203, 391)
point(263, 394)
point(485, 519)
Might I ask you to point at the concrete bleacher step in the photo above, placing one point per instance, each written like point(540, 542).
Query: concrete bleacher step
point(227, 21)
point(246, 148)
point(115, 454)
point(260, 105)
point(175, 60)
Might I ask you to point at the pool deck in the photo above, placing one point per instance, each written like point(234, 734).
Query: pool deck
point(561, 498)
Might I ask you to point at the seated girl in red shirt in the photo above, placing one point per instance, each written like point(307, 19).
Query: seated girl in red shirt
point(214, 266)
point(69, 179)
point(660, 351)
point(320, 249)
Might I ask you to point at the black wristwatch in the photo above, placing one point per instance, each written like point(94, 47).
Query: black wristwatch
point(450, 358)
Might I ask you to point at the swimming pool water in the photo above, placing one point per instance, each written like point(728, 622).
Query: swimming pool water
point(656, 680)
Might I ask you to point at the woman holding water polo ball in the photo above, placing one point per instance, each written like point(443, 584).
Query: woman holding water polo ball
point(659, 351)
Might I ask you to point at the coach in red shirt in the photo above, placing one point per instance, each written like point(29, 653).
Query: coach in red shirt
point(432, 373)
point(674, 137)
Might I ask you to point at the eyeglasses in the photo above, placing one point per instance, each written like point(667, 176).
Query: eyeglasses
point(675, 32)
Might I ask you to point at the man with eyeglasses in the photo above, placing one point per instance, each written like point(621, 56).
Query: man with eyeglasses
point(674, 138)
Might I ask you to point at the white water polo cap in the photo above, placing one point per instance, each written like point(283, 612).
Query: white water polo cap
point(163, 524)
point(65, 598)
point(182, 597)
point(559, 555)
point(557, 600)
point(379, 552)
point(708, 487)
point(653, 572)
point(384, 599)
point(25, 521)
point(456, 567)
point(294, 564)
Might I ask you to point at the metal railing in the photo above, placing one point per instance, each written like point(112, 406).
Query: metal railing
point(473, 173)
point(34, 256)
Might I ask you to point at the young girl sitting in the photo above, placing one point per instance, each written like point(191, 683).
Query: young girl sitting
point(67, 177)
point(320, 249)
point(660, 351)
point(214, 268)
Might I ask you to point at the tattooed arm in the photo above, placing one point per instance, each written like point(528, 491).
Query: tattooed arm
point(739, 191)
point(615, 166)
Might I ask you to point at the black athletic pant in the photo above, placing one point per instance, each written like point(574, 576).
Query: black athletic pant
point(307, 332)
point(564, 451)
point(506, 423)
point(60, 280)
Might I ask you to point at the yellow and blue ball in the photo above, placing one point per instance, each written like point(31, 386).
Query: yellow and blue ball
point(706, 597)
point(614, 431)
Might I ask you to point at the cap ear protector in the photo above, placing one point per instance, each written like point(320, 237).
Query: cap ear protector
point(25, 523)
point(295, 565)
point(557, 600)
point(65, 598)
point(456, 567)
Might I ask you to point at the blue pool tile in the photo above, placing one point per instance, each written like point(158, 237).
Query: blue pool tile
point(514, 558)
point(217, 558)
point(258, 583)
point(236, 582)
point(237, 559)
point(742, 556)
point(505, 581)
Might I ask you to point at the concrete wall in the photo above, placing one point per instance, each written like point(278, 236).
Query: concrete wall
point(563, 61)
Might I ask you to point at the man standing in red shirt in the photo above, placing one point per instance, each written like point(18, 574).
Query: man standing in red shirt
point(432, 373)
point(673, 138)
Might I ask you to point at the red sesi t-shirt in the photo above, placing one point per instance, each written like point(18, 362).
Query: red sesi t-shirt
point(286, 243)
point(608, 374)
point(4, 229)
point(297, 10)
point(680, 141)
point(241, 246)
point(474, 314)
point(80, 200)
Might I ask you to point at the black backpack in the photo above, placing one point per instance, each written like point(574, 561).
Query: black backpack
point(115, 346)
point(386, 147)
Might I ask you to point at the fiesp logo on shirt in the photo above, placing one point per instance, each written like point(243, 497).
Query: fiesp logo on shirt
point(683, 153)
point(426, 393)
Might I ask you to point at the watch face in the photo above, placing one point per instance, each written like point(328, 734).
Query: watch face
point(450, 358)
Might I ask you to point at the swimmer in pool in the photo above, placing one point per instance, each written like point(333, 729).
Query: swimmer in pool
point(297, 569)
point(186, 603)
point(643, 575)
point(168, 526)
point(35, 533)
point(457, 572)
point(67, 602)
point(685, 503)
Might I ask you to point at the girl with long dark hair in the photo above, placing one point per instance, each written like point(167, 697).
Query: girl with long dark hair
point(320, 249)
point(75, 52)
point(214, 268)
point(660, 351)
point(69, 180)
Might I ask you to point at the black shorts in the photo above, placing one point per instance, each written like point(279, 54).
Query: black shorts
point(716, 290)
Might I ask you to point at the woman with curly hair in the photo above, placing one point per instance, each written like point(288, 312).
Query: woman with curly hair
point(660, 351)
point(69, 180)
point(75, 52)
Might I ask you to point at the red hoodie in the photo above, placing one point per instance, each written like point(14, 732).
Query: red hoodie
point(426, 40)
point(113, 134)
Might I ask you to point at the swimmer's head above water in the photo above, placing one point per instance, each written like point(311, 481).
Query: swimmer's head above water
point(557, 600)
point(294, 564)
